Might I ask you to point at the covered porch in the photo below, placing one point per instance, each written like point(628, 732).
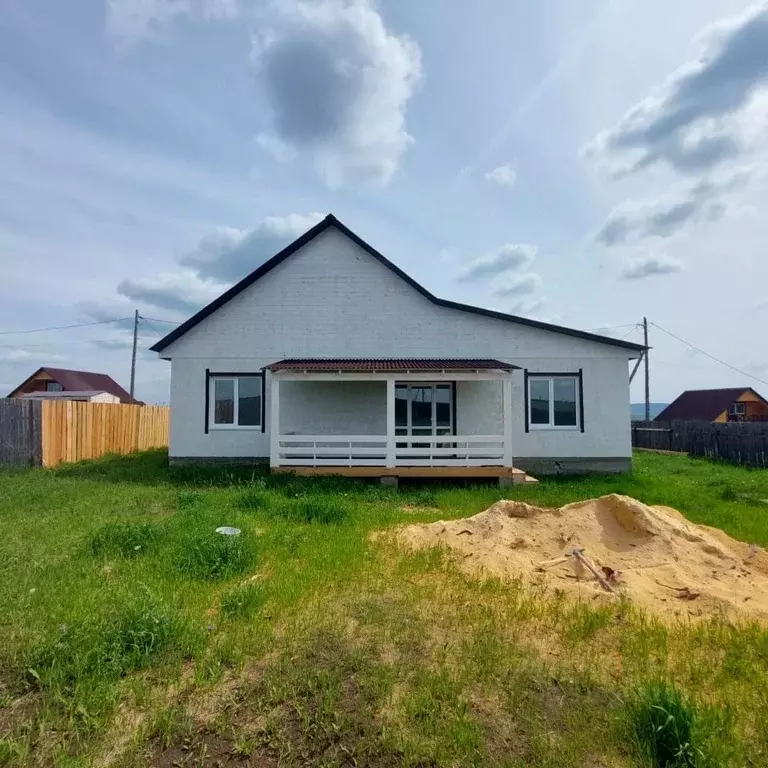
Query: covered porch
point(393, 418)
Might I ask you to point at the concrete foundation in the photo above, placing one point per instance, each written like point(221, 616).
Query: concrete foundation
point(574, 466)
point(390, 481)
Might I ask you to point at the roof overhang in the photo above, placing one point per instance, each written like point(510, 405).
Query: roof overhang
point(389, 365)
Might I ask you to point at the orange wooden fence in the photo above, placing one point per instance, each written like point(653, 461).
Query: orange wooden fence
point(73, 431)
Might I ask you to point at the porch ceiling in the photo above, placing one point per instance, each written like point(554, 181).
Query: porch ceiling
point(389, 364)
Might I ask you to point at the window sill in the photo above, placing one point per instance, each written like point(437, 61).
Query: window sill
point(232, 428)
point(548, 428)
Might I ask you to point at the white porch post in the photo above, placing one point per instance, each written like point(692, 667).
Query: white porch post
point(390, 422)
point(506, 398)
point(274, 421)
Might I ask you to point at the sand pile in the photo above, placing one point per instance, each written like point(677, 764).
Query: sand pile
point(650, 555)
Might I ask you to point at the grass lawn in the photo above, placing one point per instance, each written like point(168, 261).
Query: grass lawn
point(133, 635)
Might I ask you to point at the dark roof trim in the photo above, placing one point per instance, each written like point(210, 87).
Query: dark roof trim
point(331, 220)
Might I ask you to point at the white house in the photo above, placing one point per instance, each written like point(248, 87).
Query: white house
point(330, 359)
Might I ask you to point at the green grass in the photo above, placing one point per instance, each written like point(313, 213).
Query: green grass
point(133, 634)
point(242, 601)
point(123, 539)
point(668, 731)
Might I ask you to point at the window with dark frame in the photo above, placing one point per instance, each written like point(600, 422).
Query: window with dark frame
point(53, 386)
point(235, 402)
point(554, 401)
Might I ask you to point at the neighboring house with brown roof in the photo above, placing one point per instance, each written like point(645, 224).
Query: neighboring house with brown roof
point(328, 358)
point(718, 405)
point(62, 383)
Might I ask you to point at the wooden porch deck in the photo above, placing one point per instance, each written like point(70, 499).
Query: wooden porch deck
point(517, 476)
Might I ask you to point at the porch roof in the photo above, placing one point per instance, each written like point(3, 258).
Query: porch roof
point(386, 364)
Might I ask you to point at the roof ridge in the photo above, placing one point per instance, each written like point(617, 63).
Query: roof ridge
point(73, 370)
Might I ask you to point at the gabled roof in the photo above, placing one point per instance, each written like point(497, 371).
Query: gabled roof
point(79, 381)
point(703, 404)
point(333, 364)
point(331, 221)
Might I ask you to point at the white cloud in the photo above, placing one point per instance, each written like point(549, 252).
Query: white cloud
point(510, 257)
point(639, 268)
point(128, 20)
point(22, 356)
point(695, 120)
point(230, 254)
point(504, 175)
point(181, 292)
point(204, 272)
point(683, 208)
point(708, 114)
point(507, 270)
point(527, 307)
point(15, 355)
point(282, 152)
point(335, 80)
point(519, 285)
point(338, 84)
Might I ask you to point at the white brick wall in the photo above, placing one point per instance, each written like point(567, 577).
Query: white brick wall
point(332, 299)
point(333, 408)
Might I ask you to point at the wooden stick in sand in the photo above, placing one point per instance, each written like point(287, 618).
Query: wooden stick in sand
point(578, 554)
point(582, 558)
point(549, 563)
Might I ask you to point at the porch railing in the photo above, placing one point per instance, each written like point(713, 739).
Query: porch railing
point(332, 450)
point(376, 451)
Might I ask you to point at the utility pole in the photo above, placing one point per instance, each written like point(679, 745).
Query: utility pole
point(647, 372)
point(133, 354)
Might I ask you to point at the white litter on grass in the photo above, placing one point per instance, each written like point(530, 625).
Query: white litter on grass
point(226, 530)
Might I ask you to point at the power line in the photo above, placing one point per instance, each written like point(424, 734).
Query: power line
point(630, 332)
point(146, 320)
point(706, 354)
point(156, 320)
point(50, 344)
point(65, 327)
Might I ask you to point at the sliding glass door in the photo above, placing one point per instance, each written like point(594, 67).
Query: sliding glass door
point(423, 409)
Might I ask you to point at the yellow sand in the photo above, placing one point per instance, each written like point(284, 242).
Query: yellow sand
point(656, 553)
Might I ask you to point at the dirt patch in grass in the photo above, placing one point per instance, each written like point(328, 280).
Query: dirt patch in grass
point(17, 711)
point(651, 556)
point(314, 706)
point(210, 749)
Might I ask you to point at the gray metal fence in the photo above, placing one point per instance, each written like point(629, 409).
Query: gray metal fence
point(21, 432)
point(738, 442)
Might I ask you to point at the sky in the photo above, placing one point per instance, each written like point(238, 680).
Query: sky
point(585, 164)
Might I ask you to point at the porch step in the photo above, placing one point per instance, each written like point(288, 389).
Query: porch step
point(519, 477)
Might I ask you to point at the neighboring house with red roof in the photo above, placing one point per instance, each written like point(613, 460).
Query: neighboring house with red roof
point(65, 384)
point(718, 405)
